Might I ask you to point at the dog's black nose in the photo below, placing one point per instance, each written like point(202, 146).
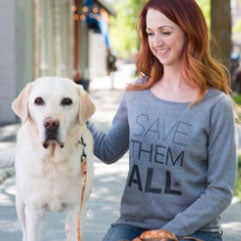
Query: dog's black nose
point(51, 123)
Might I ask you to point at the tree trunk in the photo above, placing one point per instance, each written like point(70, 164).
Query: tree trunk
point(221, 22)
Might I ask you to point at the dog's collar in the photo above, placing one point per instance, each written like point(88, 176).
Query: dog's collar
point(83, 159)
point(83, 154)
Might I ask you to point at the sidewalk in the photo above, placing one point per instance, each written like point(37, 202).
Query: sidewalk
point(109, 180)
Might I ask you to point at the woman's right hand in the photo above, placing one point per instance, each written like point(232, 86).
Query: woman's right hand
point(156, 235)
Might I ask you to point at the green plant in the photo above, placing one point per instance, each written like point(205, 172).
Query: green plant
point(238, 183)
point(237, 99)
point(237, 193)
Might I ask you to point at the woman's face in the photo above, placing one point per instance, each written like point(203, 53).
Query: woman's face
point(165, 38)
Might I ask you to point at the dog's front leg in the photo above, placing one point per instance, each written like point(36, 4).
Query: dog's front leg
point(34, 223)
point(20, 206)
point(71, 226)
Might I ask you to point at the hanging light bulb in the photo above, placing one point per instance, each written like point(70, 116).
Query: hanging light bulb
point(76, 17)
point(74, 8)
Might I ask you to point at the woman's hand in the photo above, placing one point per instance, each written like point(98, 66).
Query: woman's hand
point(156, 235)
point(161, 235)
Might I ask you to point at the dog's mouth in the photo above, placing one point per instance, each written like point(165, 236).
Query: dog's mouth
point(51, 138)
point(51, 133)
point(48, 143)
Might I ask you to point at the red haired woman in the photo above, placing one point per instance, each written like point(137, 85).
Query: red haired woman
point(177, 121)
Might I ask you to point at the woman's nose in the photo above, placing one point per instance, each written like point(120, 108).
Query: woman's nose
point(157, 41)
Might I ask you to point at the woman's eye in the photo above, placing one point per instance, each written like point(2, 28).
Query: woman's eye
point(39, 101)
point(66, 101)
point(166, 33)
point(149, 34)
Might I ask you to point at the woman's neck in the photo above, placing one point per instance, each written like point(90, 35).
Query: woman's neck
point(173, 87)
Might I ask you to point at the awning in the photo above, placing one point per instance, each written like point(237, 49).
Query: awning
point(107, 6)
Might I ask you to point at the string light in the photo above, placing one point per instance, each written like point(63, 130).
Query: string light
point(82, 17)
point(74, 8)
point(93, 11)
point(85, 9)
point(76, 17)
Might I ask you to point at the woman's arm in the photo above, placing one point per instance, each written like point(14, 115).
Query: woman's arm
point(109, 147)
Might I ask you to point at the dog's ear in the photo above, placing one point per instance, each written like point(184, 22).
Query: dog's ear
point(20, 104)
point(86, 106)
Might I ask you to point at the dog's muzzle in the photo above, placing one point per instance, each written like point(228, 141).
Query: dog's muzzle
point(51, 126)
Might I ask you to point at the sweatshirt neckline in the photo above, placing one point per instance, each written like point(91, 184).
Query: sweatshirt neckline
point(182, 103)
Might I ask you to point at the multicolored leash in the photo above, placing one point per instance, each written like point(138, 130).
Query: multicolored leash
point(83, 159)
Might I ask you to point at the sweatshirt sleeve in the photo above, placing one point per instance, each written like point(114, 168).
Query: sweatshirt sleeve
point(221, 174)
point(111, 146)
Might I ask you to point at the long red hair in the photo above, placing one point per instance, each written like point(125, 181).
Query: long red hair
point(198, 67)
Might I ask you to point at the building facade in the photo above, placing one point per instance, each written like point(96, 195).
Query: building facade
point(49, 38)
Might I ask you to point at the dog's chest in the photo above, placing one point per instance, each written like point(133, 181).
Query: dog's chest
point(53, 170)
point(55, 187)
point(50, 180)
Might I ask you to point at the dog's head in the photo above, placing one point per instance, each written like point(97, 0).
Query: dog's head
point(54, 106)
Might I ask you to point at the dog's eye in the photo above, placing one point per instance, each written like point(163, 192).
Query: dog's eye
point(39, 101)
point(66, 101)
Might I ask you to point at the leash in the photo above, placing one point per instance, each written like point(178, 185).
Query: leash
point(83, 159)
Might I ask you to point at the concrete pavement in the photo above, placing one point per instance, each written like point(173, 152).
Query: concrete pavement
point(109, 180)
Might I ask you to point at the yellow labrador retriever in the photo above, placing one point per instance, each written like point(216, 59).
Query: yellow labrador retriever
point(50, 142)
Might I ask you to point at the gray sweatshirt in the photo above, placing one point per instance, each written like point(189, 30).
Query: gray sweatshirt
point(182, 160)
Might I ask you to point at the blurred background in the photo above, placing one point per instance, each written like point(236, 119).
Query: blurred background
point(88, 39)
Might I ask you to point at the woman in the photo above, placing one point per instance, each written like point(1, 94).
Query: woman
point(177, 122)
